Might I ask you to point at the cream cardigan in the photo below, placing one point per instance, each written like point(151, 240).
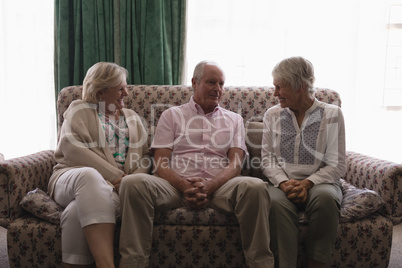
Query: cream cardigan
point(82, 143)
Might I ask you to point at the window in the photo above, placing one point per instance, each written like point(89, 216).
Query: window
point(393, 69)
point(346, 41)
point(27, 101)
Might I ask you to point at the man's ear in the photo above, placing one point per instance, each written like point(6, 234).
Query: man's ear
point(193, 83)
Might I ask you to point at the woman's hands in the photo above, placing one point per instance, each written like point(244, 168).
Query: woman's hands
point(116, 183)
point(296, 191)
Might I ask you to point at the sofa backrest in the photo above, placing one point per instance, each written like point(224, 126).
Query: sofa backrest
point(250, 102)
point(150, 101)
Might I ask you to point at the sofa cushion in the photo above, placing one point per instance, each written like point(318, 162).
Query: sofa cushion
point(187, 216)
point(253, 142)
point(254, 138)
point(358, 203)
point(38, 203)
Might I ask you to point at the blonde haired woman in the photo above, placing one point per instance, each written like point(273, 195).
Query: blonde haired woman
point(98, 141)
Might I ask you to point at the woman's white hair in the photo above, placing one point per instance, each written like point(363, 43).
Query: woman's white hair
point(102, 76)
point(296, 72)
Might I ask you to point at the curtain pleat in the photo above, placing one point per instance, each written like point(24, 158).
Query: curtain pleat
point(84, 36)
point(150, 42)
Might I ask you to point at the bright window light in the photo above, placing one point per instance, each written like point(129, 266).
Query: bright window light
point(345, 40)
point(27, 102)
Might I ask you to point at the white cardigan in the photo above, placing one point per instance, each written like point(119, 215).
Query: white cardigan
point(83, 143)
point(314, 151)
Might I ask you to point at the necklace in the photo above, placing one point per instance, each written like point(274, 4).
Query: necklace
point(107, 115)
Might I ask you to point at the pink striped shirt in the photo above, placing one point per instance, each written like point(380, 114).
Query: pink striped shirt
point(200, 142)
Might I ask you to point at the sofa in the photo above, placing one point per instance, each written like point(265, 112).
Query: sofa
point(203, 238)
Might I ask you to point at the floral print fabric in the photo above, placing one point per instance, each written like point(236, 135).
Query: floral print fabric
point(38, 203)
point(206, 238)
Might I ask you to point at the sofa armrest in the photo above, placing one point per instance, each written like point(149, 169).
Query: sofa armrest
point(19, 176)
point(382, 176)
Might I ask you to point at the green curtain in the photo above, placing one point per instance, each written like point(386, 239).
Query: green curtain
point(84, 35)
point(153, 40)
point(145, 36)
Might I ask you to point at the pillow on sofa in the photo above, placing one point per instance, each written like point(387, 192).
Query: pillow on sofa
point(38, 203)
point(254, 138)
point(41, 205)
point(358, 203)
point(253, 142)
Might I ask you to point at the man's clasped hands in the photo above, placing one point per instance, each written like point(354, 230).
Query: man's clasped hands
point(196, 191)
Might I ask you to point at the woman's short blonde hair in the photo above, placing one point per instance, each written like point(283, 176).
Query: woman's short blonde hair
point(102, 76)
point(296, 72)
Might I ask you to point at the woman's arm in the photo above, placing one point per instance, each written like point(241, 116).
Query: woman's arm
point(270, 164)
point(73, 152)
point(334, 158)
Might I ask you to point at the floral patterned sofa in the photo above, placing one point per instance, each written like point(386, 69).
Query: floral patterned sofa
point(205, 238)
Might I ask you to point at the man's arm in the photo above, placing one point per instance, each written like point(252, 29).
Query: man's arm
point(193, 196)
point(162, 169)
point(233, 169)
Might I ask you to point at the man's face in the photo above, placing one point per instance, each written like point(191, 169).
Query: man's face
point(208, 91)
